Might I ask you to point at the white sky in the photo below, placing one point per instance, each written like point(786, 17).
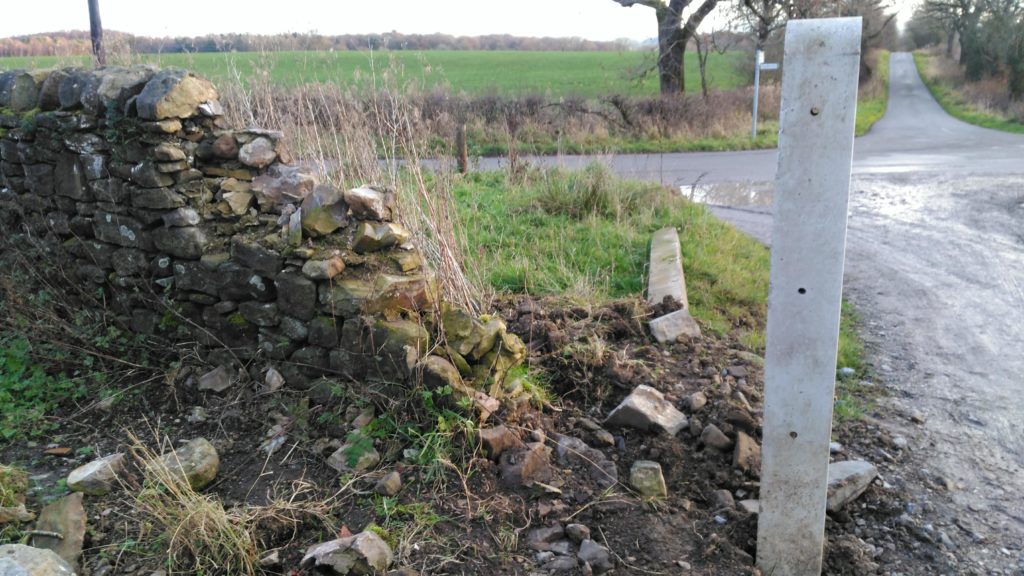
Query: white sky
point(591, 19)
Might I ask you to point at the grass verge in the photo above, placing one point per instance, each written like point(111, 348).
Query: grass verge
point(873, 98)
point(949, 94)
point(585, 235)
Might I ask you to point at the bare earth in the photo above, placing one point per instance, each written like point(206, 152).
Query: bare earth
point(935, 267)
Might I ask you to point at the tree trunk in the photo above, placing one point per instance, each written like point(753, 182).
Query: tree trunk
point(949, 42)
point(671, 48)
point(96, 33)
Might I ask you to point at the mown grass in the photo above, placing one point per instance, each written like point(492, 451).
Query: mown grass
point(587, 74)
point(951, 98)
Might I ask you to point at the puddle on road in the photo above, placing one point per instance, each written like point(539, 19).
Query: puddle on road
point(735, 194)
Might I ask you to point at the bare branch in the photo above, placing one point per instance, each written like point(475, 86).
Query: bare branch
point(656, 4)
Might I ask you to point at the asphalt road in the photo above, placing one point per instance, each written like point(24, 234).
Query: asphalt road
point(935, 266)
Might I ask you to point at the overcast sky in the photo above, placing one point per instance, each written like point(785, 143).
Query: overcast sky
point(592, 19)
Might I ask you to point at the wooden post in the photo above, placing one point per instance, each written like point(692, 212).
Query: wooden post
point(819, 104)
point(96, 33)
point(462, 153)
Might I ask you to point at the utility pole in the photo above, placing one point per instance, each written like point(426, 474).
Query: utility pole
point(96, 33)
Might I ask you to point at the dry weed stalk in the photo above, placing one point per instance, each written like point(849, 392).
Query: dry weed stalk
point(204, 537)
point(369, 134)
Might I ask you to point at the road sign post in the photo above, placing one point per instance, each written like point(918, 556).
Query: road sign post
point(759, 64)
point(819, 102)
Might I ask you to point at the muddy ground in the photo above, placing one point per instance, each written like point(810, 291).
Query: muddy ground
point(463, 518)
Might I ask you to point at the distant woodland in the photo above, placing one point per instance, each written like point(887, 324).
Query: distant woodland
point(77, 43)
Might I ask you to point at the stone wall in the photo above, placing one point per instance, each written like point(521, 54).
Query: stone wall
point(202, 232)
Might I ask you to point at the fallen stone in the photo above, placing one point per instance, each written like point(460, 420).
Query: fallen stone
point(722, 499)
point(696, 402)
point(354, 458)
point(369, 203)
point(742, 420)
point(560, 564)
point(67, 518)
point(603, 437)
point(97, 477)
point(498, 439)
point(595, 555)
point(713, 437)
point(573, 451)
point(197, 462)
point(389, 485)
point(526, 466)
point(17, 513)
point(750, 506)
point(271, 559)
point(646, 408)
point(747, 454)
point(670, 327)
point(847, 480)
point(361, 554)
point(22, 560)
point(542, 538)
point(273, 380)
point(577, 532)
point(646, 477)
point(217, 380)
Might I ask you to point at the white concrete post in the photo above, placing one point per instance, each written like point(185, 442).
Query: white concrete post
point(819, 104)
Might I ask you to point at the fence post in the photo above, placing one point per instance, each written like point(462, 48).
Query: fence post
point(819, 103)
point(461, 151)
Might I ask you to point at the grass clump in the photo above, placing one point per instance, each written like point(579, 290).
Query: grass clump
point(200, 535)
point(13, 485)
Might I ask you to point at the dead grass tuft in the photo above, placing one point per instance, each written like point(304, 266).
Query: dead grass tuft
point(201, 535)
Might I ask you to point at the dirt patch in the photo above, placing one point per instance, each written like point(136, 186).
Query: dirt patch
point(457, 514)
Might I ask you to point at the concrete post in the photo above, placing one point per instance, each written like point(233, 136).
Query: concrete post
point(819, 102)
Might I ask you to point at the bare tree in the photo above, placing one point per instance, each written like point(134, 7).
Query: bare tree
point(96, 33)
point(764, 17)
point(673, 35)
point(707, 43)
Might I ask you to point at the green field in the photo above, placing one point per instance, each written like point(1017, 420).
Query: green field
point(588, 74)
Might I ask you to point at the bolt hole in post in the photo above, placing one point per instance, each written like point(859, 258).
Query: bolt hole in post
point(802, 290)
point(815, 111)
point(793, 434)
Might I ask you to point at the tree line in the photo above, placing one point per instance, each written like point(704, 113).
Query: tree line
point(988, 33)
point(73, 43)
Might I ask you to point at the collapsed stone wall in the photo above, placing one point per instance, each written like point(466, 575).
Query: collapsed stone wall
point(202, 232)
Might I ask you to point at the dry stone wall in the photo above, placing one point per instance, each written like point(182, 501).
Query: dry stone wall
point(199, 231)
